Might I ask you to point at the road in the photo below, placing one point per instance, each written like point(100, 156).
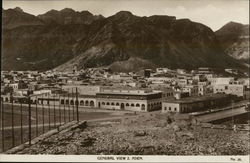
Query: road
point(58, 123)
point(80, 108)
point(32, 126)
point(221, 114)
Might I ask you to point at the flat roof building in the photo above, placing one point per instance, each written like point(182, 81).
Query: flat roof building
point(134, 100)
point(193, 104)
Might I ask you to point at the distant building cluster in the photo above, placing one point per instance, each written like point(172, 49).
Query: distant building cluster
point(163, 89)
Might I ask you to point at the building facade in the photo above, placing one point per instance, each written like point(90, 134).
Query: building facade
point(134, 100)
point(234, 89)
point(191, 104)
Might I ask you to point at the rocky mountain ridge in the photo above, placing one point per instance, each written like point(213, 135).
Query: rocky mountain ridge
point(65, 39)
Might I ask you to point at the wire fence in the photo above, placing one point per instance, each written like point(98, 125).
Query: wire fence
point(25, 119)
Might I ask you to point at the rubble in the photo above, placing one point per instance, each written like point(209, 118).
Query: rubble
point(144, 136)
point(140, 133)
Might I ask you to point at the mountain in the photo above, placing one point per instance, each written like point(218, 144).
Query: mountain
point(123, 42)
point(160, 40)
point(68, 16)
point(234, 38)
point(13, 18)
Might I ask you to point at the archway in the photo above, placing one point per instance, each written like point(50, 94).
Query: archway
point(92, 103)
point(122, 106)
point(142, 107)
point(86, 103)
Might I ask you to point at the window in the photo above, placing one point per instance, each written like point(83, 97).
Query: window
point(137, 105)
point(127, 104)
point(142, 107)
point(117, 104)
point(81, 102)
point(169, 108)
point(103, 103)
point(108, 103)
point(175, 109)
point(132, 105)
point(112, 103)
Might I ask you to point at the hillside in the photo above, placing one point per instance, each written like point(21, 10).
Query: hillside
point(13, 18)
point(67, 38)
point(234, 38)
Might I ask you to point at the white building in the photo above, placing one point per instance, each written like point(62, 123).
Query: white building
point(134, 100)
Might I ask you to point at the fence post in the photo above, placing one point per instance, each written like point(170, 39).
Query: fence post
point(29, 119)
point(64, 109)
point(54, 110)
point(77, 105)
point(12, 122)
point(49, 110)
point(43, 113)
point(73, 104)
point(2, 127)
point(21, 109)
point(36, 118)
point(69, 105)
point(59, 107)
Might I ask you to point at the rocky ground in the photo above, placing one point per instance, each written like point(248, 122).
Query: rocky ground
point(146, 134)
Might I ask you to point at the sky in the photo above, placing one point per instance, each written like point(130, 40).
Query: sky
point(213, 13)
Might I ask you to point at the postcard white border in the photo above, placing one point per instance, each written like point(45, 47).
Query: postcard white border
point(128, 158)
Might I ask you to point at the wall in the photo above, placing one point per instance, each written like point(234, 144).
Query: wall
point(170, 107)
point(84, 90)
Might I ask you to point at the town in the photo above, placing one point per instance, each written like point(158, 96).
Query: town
point(34, 103)
point(161, 89)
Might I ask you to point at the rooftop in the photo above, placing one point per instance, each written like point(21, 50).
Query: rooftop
point(128, 92)
point(197, 98)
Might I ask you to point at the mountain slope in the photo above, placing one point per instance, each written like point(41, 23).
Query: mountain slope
point(161, 40)
point(13, 18)
point(119, 39)
point(39, 47)
point(234, 38)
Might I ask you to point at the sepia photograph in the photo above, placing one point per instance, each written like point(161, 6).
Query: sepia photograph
point(125, 81)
